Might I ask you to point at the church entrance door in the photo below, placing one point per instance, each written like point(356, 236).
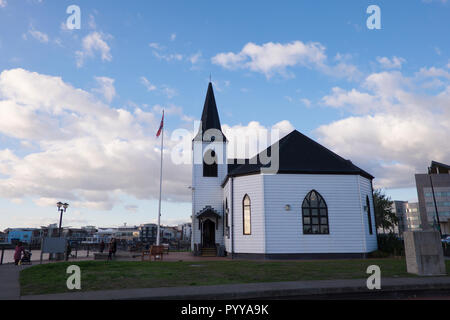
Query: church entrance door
point(209, 234)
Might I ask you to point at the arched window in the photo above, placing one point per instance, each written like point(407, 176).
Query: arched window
point(369, 215)
point(315, 214)
point(210, 164)
point(246, 215)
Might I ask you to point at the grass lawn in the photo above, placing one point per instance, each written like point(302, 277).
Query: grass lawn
point(101, 275)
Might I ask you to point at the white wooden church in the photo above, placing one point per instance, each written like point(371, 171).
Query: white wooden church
point(317, 205)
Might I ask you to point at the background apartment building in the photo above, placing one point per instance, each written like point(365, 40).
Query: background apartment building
point(437, 181)
point(408, 217)
point(147, 233)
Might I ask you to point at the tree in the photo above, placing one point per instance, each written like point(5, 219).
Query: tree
point(385, 217)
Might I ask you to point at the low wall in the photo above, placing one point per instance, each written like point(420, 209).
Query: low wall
point(424, 253)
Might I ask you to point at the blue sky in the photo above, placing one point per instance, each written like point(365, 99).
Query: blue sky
point(377, 97)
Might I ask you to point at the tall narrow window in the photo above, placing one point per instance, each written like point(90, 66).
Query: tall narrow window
point(227, 223)
point(369, 215)
point(210, 164)
point(315, 214)
point(247, 213)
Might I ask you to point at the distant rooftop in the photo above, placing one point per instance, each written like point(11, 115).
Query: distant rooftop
point(439, 168)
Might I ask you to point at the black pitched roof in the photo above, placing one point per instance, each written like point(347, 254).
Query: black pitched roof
point(210, 116)
point(300, 154)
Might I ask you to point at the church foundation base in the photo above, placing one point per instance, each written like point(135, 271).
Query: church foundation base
point(298, 256)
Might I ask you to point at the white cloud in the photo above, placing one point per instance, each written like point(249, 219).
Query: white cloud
point(87, 153)
point(245, 141)
point(275, 58)
point(92, 43)
point(168, 57)
point(195, 58)
point(430, 1)
point(433, 72)
point(306, 102)
point(172, 110)
point(342, 70)
point(173, 36)
point(38, 35)
point(438, 51)
point(106, 88)
point(3, 3)
point(394, 63)
point(91, 23)
point(395, 130)
point(160, 53)
point(132, 208)
point(168, 91)
point(149, 86)
point(271, 58)
point(164, 89)
point(220, 85)
point(74, 218)
point(342, 98)
point(155, 45)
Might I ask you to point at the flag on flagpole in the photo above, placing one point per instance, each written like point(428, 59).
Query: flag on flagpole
point(161, 130)
point(161, 126)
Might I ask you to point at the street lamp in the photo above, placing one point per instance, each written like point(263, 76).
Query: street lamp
point(434, 200)
point(62, 207)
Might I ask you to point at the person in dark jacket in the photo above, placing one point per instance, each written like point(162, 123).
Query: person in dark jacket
point(112, 249)
point(102, 246)
point(68, 251)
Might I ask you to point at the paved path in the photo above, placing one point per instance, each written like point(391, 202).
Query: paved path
point(274, 290)
point(9, 281)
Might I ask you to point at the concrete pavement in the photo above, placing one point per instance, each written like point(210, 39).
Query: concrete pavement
point(9, 281)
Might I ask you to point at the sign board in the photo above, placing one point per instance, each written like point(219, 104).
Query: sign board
point(53, 245)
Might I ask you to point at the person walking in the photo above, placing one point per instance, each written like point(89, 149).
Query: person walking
point(68, 251)
point(102, 246)
point(18, 253)
point(112, 249)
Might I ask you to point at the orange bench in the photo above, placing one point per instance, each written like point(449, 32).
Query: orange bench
point(155, 251)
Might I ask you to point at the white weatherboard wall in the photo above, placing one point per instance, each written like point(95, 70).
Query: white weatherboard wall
point(253, 185)
point(227, 199)
point(208, 190)
point(365, 186)
point(284, 229)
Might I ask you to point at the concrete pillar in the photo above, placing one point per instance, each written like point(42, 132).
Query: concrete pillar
point(424, 253)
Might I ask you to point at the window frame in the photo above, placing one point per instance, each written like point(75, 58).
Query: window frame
point(227, 219)
point(244, 231)
point(210, 170)
point(369, 215)
point(307, 212)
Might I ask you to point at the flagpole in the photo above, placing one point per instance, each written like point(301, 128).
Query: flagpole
point(158, 240)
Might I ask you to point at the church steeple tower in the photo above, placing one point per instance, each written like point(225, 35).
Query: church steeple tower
point(210, 116)
point(209, 169)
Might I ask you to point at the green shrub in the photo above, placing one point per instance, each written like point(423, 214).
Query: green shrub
point(391, 244)
point(446, 248)
point(378, 255)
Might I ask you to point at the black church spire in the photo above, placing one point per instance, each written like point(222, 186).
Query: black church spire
point(210, 116)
